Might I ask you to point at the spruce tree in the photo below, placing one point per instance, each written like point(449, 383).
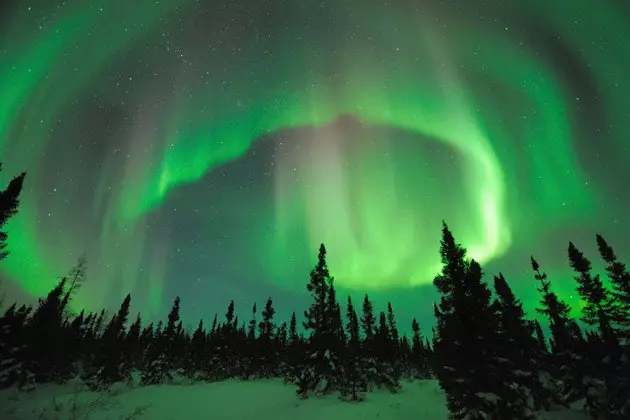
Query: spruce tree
point(267, 355)
point(44, 349)
point(369, 344)
point(391, 325)
point(563, 366)
point(12, 344)
point(556, 311)
point(598, 309)
point(618, 398)
point(386, 373)
point(396, 356)
point(99, 322)
point(146, 340)
point(517, 339)
point(280, 344)
point(252, 356)
point(195, 357)
point(294, 352)
point(266, 326)
point(355, 386)
point(9, 203)
point(174, 337)
point(110, 366)
point(352, 328)
point(133, 345)
point(322, 369)
point(213, 328)
point(465, 347)
point(216, 350)
point(367, 320)
point(75, 338)
point(517, 345)
point(224, 340)
point(229, 316)
point(605, 364)
point(251, 332)
point(161, 358)
point(404, 357)
point(419, 355)
point(333, 314)
point(620, 279)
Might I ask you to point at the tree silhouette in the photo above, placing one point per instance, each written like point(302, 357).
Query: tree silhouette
point(9, 203)
point(356, 383)
point(598, 309)
point(267, 346)
point(467, 363)
point(556, 311)
point(620, 279)
point(322, 369)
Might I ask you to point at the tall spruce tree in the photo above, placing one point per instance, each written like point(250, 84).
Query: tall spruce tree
point(44, 350)
point(133, 346)
point(214, 326)
point(356, 383)
point(268, 356)
point(252, 356)
point(9, 203)
point(556, 311)
point(620, 279)
point(518, 349)
point(395, 339)
point(368, 320)
point(419, 355)
point(391, 323)
point(196, 355)
point(162, 354)
point(564, 365)
point(398, 355)
point(602, 380)
point(173, 335)
point(369, 344)
point(465, 347)
point(229, 317)
point(12, 342)
point(598, 309)
point(352, 328)
point(251, 332)
point(281, 350)
point(333, 314)
point(109, 366)
point(294, 352)
point(516, 333)
point(322, 370)
point(267, 325)
point(387, 373)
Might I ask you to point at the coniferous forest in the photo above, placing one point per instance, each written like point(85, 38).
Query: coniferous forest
point(492, 359)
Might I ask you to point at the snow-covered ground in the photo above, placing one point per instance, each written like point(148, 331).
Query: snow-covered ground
point(229, 400)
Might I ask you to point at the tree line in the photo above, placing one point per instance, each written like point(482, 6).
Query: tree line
point(489, 358)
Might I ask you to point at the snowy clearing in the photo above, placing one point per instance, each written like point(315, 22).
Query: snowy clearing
point(229, 400)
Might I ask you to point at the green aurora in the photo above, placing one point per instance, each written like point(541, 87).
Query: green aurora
point(489, 86)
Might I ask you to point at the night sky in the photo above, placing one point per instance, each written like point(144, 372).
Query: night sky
point(206, 148)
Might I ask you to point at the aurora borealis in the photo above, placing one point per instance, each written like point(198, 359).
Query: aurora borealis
point(206, 148)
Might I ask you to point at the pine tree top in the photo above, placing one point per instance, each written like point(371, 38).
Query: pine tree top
point(578, 261)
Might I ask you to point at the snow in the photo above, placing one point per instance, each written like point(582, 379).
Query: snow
point(228, 400)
